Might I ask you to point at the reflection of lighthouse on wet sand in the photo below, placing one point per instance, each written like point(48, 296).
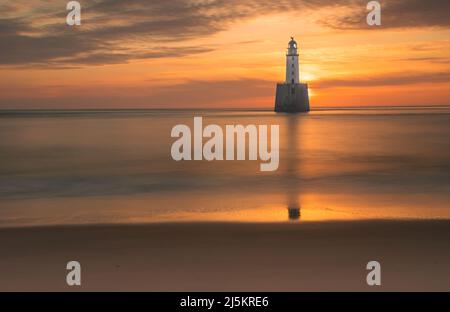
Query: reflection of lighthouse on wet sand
point(291, 178)
point(294, 213)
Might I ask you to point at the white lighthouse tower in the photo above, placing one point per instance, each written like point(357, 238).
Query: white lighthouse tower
point(292, 96)
point(292, 70)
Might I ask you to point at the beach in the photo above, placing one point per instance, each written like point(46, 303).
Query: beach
point(100, 187)
point(211, 256)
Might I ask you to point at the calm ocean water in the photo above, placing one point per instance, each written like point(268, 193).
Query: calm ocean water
point(79, 167)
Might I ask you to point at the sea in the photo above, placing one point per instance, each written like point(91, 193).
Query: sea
point(61, 167)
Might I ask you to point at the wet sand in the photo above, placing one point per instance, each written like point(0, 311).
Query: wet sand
point(310, 256)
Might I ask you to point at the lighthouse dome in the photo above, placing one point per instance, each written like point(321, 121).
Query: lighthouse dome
point(292, 47)
point(292, 44)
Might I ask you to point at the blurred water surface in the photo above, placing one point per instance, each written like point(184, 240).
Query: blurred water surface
point(80, 167)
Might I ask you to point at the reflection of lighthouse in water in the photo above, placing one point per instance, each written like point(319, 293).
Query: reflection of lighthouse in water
point(291, 178)
point(294, 213)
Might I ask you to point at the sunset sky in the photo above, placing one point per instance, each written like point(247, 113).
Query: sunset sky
point(221, 53)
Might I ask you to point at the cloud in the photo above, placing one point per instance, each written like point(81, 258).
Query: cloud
point(429, 59)
point(396, 79)
point(12, 26)
point(196, 93)
point(189, 94)
point(40, 36)
point(204, 94)
point(395, 14)
point(35, 33)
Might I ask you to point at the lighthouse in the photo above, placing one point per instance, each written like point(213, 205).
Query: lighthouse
point(292, 95)
point(292, 70)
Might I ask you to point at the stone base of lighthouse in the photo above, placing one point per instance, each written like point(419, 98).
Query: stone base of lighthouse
point(292, 98)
